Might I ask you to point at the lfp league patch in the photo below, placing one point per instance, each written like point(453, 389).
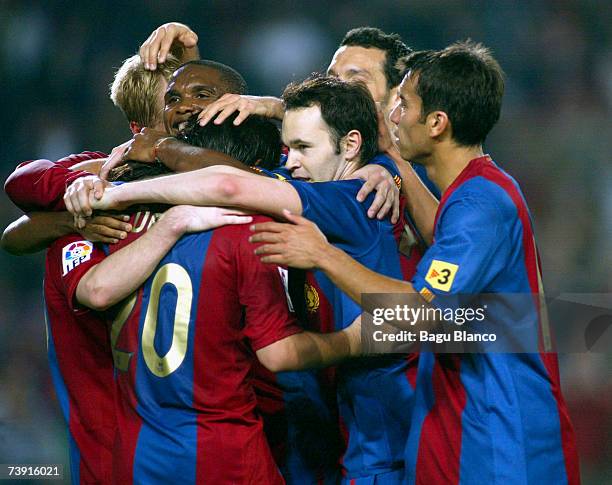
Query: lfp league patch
point(74, 254)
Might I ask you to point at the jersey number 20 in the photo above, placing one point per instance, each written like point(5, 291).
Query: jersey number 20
point(161, 366)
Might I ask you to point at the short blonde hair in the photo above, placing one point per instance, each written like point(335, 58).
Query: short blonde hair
point(135, 90)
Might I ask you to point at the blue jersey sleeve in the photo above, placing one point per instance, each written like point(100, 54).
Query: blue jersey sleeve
point(385, 162)
point(470, 249)
point(333, 207)
point(389, 164)
point(282, 172)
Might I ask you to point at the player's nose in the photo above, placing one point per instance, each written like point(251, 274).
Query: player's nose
point(187, 108)
point(394, 117)
point(293, 160)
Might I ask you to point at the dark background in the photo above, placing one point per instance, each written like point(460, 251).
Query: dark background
point(57, 60)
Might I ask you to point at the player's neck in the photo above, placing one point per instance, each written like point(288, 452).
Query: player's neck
point(346, 170)
point(448, 161)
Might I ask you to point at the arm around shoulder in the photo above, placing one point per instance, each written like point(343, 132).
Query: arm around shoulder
point(35, 231)
point(307, 350)
point(219, 186)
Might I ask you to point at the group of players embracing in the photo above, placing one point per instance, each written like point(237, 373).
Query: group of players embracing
point(203, 283)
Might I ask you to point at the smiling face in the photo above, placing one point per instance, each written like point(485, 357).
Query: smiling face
point(312, 153)
point(190, 90)
point(411, 131)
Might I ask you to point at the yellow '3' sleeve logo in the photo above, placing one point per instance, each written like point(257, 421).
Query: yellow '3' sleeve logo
point(441, 275)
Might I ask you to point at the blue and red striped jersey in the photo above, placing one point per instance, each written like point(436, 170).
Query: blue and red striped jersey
point(375, 394)
point(81, 363)
point(303, 429)
point(184, 353)
point(487, 417)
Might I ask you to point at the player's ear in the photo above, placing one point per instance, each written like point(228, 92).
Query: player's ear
point(352, 144)
point(135, 127)
point(437, 123)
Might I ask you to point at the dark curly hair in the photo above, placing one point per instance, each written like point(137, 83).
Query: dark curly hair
point(255, 142)
point(234, 81)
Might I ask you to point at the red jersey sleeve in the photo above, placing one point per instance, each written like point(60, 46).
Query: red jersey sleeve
point(262, 291)
point(69, 258)
point(40, 184)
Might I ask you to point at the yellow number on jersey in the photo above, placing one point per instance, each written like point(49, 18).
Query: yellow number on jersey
point(177, 276)
point(441, 275)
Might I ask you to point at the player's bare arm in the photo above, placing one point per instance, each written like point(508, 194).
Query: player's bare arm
point(308, 350)
point(302, 245)
point(217, 185)
point(172, 37)
point(178, 156)
point(220, 186)
point(420, 202)
point(151, 146)
point(182, 157)
point(120, 274)
point(36, 231)
point(387, 193)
